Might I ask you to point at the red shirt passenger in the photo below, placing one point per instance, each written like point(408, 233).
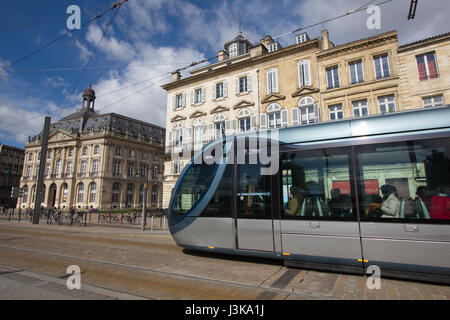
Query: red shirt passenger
point(440, 206)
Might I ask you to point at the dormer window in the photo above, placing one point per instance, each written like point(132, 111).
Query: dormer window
point(302, 38)
point(273, 47)
point(233, 50)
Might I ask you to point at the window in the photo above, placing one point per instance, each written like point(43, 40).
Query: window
point(92, 191)
point(95, 165)
point(198, 133)
point(154, 194)
point(58, 167)
point(411, 180)
point(130, 194)
point(80, 192)
point(360, 108)
point(332, 77)
point(71, 152)
point(427, 66)
point(198, 96)
point(219, 90)
point(47, 170)
point(118, 151)
point(116, 168)
point(219, 124)
point(85, 151)
point(243, 84)
point(274, 115)
point(273, 47)
point(96, 150)
point(176, 167)
point(435, 101)
point(65, 192)
point(336, 112)
point(25, 194)
point(28, 172)
point(179, 101)
point(69, 168)
point(356, 72)
point(130, 169)
point(49, 154)
point(132, 154)
point(244, 120)
point(381, 66)
point(178, 134)
point(30, 156)
point(272, 81)
point(301, 38)
point(144, 156)
point(309, 111)
point(304, 73)
point(83, 168)
point(115, 193)
point(386, 104)
point(233, 48)
point(316, 183)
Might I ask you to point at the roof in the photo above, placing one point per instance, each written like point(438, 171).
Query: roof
point(430, 39)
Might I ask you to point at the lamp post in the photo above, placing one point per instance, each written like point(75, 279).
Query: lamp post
point(144, 205)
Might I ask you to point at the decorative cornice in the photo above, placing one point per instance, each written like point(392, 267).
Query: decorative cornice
point(219, 109)
point(178, 118)
point(243, 104)
point(197, 114)
point(272, 98)
point(304, 91)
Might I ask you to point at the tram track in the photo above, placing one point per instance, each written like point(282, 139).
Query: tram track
point(255, 291)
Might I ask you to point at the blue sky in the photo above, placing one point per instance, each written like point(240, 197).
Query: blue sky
point(150, 38)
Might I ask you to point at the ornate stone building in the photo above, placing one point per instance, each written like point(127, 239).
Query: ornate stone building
point(11, 166)
point(96, 161)
point(265, 86)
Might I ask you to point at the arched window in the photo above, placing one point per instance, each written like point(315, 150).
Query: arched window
point(243, 113)
point(309, 112)
point(198, 132)
point(219, 124)
point(92, 191)
point(64, 192)
point(274, 115)
point(58, 167)
point(177, 134)
point(244, 120)
point(233, 49)
point(80, 192)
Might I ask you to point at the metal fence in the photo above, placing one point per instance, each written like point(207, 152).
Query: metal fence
point(156, 220)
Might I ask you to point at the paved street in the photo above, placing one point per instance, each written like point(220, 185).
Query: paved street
point(123, 263)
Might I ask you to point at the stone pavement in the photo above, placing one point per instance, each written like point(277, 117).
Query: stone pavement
point(25, 285)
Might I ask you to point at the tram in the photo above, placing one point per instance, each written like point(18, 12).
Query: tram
point(341, 195)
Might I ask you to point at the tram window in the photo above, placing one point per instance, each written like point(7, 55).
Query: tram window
point(254, 197)
point(316, 183)
point(194, 184)
point(220, 204)
point(405, 180)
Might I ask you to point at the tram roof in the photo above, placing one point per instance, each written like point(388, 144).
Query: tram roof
point(389, 123)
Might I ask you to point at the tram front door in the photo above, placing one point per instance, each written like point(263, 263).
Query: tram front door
point(254, 207)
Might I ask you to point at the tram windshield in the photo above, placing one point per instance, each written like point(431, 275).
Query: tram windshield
point(192, 188)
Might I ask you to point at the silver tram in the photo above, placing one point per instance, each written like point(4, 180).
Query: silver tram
point(345, 195)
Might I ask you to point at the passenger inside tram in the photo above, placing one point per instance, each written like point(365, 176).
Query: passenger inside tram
point(391, 204)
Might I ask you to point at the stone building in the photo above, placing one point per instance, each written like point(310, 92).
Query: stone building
point(265, 86)
point(11, 166)
point(96, 161)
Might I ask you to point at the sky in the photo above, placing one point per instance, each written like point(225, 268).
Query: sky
point(147, 40)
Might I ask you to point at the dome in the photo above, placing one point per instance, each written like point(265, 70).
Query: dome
point(89, 91)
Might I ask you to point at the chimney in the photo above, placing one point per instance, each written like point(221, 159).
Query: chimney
point(222, 55)
point(176, 76)
point(325, 44)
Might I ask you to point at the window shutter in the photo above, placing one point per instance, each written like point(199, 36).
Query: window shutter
point(275, 80)
point(306, 70)
point(269, 81)
point(234, 125)
point(295, 121)
point(214, 96)
point(263, 122)
point(237, 86)
point(316, 113)
point(174, 102)
point(188, 139)
point(210, 132)
point(183, 98)
point(249, 83)
point(300, 74)
point(172, 168)
point(253, 123)
point(284, 118)
point(225, 89)
point(203, 94)
point(192, 97)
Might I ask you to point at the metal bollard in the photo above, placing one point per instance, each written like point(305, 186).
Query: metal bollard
point(151, 226)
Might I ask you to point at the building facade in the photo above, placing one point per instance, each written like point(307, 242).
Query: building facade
point(265, 86)
point(11, 167)
point(95, 160)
